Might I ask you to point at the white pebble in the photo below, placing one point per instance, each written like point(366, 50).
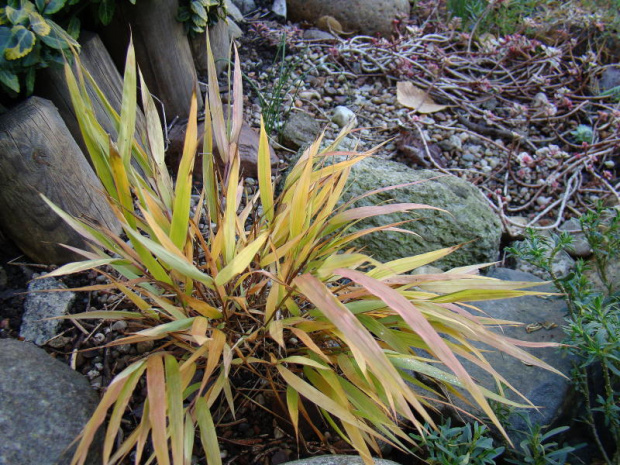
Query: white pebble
point(342, 116)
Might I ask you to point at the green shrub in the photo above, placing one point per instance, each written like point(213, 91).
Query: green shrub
point(466, 445)
point(30, 39)
point(196, 15)
point(593, 324)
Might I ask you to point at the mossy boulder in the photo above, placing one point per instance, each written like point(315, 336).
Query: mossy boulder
point(469, 220)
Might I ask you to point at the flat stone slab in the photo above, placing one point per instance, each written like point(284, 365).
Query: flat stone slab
point(337, 460)
point(39, 306)
point(44, 406)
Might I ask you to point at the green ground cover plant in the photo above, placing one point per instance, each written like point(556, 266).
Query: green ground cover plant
point(37, 34)
point(451, 445)
point(270, 290)
point(593, 322)
point(30, 39)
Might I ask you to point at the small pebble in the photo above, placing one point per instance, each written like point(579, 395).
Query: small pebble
point(342, 116)
point(144, 346)
point(120, 325)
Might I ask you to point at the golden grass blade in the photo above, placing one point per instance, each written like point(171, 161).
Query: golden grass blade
point(275, 256)
point(155, 137)
point(376, 210)
point(121, 181)
point(208, 435)
point(97, 418)
point(183, 191)
point(119, 410)
point(84, 230)
point(345, 260)
point(229, 230)
point(199, 330)
point(317, 397)
point(156, 388)
point(416, 321)
point(166, 328)
point(405, 265)
point(292, 403)
point(241, 261)
point(301, 360)
point(95, 138)
point(307, 340)
point(299, 214)
point(216, 348)
point(76, 267)
point(237, 91)
point(202, 307)
point(104, 315)
point(209, 180)
point(217, 112)
point(188, 437)
point(172, 260)
point(264, 174)
point(129, 104)
point(174, 398)
point(478, 295)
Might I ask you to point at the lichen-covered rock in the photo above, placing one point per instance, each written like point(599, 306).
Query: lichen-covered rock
point(367, 17)
point(44, 406)
point(469, 217)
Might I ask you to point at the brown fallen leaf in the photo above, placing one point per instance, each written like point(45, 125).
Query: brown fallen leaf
point(415, 98)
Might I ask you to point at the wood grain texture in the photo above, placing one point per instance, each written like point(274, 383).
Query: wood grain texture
point(162, 51)
point(39, 155)
point(52, 85)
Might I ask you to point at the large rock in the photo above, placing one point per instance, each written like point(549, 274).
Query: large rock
point(40, 306)
point(367, 17)
point(550, 392)
point(337, 460)
point(44, 407)
point(469, 219)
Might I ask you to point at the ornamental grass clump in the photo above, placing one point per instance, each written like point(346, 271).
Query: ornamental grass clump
point(270, 290)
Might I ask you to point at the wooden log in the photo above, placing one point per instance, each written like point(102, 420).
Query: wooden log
point(52, 85)
point(162, 51)
point(39, 155)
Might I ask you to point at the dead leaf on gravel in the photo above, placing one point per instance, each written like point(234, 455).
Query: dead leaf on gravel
point(413, 97)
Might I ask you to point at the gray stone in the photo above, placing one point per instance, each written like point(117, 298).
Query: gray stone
point(547, 390)
point(561, 266)
point(300, 130)
point(469, 217)
point(337, 460)
point(612, 272)
point(367, 17)
point(580, 247)
point(279, 8)
point(245, 6)
point(610, 78)
point(44, 407)
point(342, 116)
point(318, 35)
point(41, 305)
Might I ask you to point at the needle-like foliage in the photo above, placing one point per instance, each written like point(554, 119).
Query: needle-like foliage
point(270, 289)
